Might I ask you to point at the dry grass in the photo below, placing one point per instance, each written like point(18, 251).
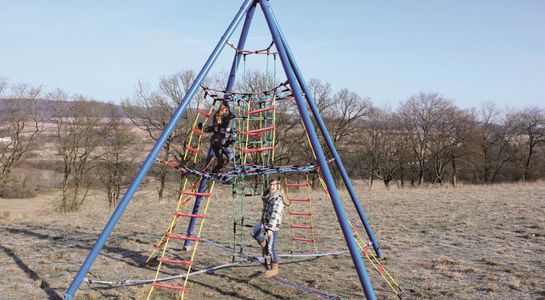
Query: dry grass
point(473, 242)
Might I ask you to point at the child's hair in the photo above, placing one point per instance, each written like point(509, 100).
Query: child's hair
point(280, 191)
point(223, 111)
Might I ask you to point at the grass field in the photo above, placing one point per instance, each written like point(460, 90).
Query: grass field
point(470, 242)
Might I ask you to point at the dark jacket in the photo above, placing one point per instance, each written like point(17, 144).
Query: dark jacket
point(222, 134)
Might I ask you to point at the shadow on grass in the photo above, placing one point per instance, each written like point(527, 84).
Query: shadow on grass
point(85, 241)
point(31, 274)
point(80, 241)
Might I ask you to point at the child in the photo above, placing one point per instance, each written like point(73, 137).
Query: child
point(223, 136)
point(266, 232)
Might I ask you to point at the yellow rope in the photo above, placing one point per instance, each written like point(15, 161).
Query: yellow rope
point(373, 261)
point(312, 232)
point(186, 152)
point(173, 223)
point(247, 135)
point(198, 236)
point(369, 255)
point(199, 142)
point(195, 122)
point(165, 244)
point(261, 135)
point(372, 257)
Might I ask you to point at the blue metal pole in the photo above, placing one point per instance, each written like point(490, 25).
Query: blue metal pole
point(230, 84)
point(322, 162)
point(348, 183)
point(69, 294)
point(241, 44)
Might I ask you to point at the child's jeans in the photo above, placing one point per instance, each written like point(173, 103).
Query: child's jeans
point(258, 232)
point(219, 152)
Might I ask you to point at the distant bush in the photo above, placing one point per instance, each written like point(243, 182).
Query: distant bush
point(19, 187)
point(17, 192)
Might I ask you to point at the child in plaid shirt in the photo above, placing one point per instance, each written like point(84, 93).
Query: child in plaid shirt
point(266, 232)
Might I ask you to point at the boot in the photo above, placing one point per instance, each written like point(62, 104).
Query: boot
point(264, 248)
point(272, 272)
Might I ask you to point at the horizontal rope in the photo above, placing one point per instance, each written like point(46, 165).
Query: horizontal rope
point(242, 171)
point(284, 281)
point(264, 92)
point(278, 93)
point(129, 282)
point(248, 260)
point(247, 52)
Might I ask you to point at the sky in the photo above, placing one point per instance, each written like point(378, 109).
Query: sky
point(468, 51)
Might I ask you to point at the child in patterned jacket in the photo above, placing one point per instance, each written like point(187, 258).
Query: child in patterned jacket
point(266, 232)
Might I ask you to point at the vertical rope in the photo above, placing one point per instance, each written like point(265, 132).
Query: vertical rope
point(274, 68)
point(247, 135)
point(293, 243)
point(274, 128)
point(311, 210)
point(267, 81)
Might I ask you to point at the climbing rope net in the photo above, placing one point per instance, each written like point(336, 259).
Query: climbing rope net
point(254, 161)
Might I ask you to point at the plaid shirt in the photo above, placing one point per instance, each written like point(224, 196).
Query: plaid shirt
point(271, 215)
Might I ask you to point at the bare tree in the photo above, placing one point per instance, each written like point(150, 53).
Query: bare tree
point(451, 133)
point(290, 127)
point(491, 143)
point(344, 120)
point(530, 126)
point(78, 135)
point(117, 161)
point(3, 85)
point(380, 146)
point(323, 95)
point(150, 110)
point(20, 125)
point(255, 82)
point(348, 111)
point(421, 115)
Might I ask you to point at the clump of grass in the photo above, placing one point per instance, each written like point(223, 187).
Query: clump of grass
point(490, 262)
point(442, 260)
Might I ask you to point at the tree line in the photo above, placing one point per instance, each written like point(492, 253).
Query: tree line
point(426, 139)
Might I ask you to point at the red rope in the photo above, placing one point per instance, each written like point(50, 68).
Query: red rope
point(197, 131)
point(246, 150)
point(194, 150)
point(303, 240)
point(204, 113)
point(261, 110)
point(254, 131)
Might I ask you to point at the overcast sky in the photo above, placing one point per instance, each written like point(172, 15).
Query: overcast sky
point(470, 51)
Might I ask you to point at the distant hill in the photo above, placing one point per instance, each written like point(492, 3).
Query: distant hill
point(46, 107)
